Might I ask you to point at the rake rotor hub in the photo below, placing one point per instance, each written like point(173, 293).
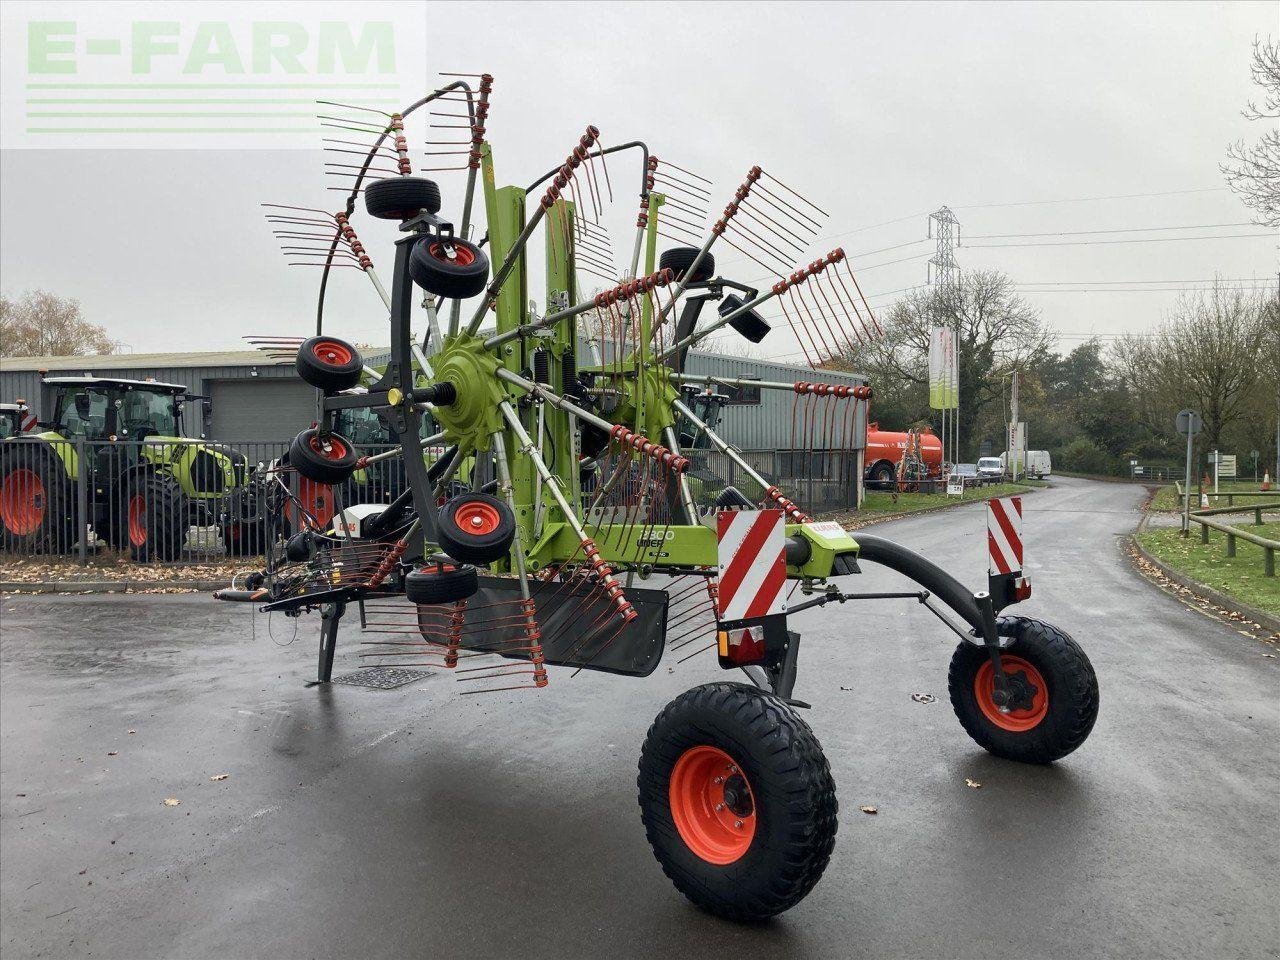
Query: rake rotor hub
point(472, 370)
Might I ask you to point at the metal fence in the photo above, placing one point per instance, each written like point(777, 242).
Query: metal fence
point(192, 501)
point(184, 501)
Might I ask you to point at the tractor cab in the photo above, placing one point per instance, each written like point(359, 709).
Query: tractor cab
point(102, 408)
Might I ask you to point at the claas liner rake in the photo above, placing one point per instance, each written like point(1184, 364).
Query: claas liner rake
point(572, 519)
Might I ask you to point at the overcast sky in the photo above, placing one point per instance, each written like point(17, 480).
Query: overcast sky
point(880, 113)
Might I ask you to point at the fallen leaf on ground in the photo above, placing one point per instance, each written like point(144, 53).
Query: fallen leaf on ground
point(219, 776)
point(972, 783)
point(171, 801)
point(113, 753)
point(923, 697)
point(846, 688)
point(133, 731)
point(869, 809)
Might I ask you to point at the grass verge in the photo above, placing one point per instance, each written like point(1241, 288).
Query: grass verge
point(1240, 576)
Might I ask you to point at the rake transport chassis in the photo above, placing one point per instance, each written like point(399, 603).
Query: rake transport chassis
point(554, 531)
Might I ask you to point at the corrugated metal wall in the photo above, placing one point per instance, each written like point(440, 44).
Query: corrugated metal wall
point(778, 422)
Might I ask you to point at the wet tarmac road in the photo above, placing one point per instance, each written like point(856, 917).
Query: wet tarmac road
point(414, 822)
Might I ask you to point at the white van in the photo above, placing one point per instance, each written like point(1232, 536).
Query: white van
point(1039, 463)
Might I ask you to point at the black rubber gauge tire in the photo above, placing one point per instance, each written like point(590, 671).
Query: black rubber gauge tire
point(329, 364)
point(476, 528)
point(441, 584)
point(1060, 693)
point(458, 277)
point(399, 198)
point(678, 259)
point(310, 457)
point(737, 801)
point(750, 324)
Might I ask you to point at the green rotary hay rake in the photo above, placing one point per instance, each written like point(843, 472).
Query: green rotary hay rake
point(555, 511)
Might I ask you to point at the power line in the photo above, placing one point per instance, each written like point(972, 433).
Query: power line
point(1122, 196)
point(1086, 243)
point(1075, 233)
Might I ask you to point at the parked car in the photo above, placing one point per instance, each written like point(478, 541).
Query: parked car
point(990, 469)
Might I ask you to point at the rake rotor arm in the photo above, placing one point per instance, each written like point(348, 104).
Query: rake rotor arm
point(602, 152)
point(799, 386)
point(397, 451)
point(774, 494)
point(615, 430)
point(602, 570)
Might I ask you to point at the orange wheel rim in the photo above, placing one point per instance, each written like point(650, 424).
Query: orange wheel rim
point(337, 449)
point(477, 519)
point(22, 501)
point(331, 352)
point(1019, 720)
point(461, 255)
point(137, 520)
point(712, 805)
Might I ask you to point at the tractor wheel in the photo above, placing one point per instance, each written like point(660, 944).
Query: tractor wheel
point(329, 364)
point(399, 198)
point(153, 518)
point(679, 259)
point(36, 506)
point(441, 583)
point(882, 476)
point(324, 459)
point(457, 275)
point(476, 528)
point(737, 801)
point(1054, 684)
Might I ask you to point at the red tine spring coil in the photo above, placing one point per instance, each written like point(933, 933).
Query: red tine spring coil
point(650, 449)
point(388, 563)
point(585, 143)
point(604, 574)
point(832, 390)
point(789, 508)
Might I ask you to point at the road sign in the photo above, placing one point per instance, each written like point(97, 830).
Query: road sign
point(1189, 423)
point(955, 485)
point(1226, 464)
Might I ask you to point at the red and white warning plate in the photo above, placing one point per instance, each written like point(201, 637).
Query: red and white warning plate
point(1004, 536)
point(751, 551)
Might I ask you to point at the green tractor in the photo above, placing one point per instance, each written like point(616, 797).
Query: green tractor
point(148, 482)
point(13, 418)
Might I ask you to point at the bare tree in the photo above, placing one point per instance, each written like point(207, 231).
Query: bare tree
point(40, 324)
point(1254, 171)
point(1210, 355)
point(998, 332)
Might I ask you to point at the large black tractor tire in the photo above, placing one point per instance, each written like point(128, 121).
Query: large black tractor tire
point(737, 801)
point(1056, 686)
point(322, 459)
point(462, 275)
point(400, 198)
point(476, 528)
point(679, 259)
point(882, 476)
point(153, 518)
point(37, 503)
point(441, 583)
point(329, 364)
